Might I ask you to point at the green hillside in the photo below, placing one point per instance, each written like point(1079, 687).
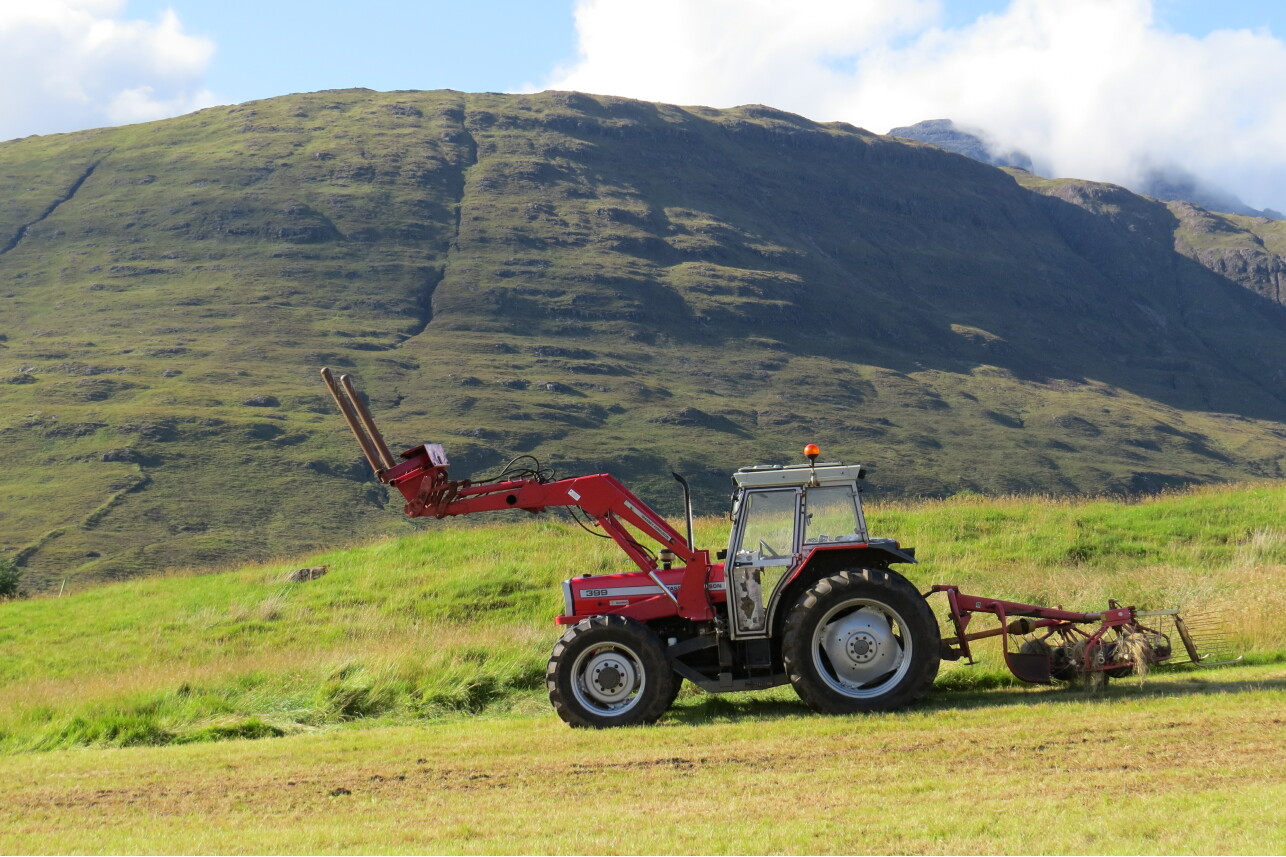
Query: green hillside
point(1249, 251)
point(458, 621)
point(607, 284)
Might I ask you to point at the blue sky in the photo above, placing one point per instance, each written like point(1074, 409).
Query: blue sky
point(1100, 89)
point(274, 47)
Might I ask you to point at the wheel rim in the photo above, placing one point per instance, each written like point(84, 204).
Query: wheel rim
point(861, 648)
point(608, 679)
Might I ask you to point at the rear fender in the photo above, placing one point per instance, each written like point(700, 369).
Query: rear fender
point(822, 561)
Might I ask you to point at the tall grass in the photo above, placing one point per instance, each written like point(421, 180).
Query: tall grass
point(1222, 548)
point(457, 621)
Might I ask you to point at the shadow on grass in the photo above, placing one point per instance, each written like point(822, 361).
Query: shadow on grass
point(1176, 683)
point(732, 708)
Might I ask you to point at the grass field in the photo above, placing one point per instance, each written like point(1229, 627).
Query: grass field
point(404, 695)
point(1190, 764)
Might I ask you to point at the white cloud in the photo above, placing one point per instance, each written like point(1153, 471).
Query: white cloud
point(724, 52)
point(1093, 89)
point(72, 64)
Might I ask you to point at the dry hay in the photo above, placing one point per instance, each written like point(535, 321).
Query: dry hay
point(1035, 646)
point(1093, 679)
point(1135, 648)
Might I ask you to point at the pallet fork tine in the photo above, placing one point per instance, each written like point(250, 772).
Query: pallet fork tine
point(359, 421)
point(368, 422)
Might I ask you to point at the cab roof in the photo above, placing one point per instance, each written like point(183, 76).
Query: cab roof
point(784, 476)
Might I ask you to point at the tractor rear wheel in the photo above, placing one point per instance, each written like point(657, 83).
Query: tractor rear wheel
point(861, 640)
point(610, 671)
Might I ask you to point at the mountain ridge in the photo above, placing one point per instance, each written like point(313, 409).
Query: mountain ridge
point(1168, 183)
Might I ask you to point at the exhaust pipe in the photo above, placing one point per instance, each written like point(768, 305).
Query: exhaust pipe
point(687, 506)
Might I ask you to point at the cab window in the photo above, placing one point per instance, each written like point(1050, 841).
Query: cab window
point(830, 515)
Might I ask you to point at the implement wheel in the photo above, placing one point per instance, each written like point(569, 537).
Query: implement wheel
point(610, 671)
point(862, 640)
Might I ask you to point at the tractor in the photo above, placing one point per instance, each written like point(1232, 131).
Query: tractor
point(803, 594)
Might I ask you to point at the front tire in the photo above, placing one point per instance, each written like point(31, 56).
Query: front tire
point(610, 671)
point(861, 640)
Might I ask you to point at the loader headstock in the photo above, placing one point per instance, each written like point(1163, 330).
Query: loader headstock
point(421, 476)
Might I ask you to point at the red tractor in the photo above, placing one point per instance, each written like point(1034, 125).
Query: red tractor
point(803, 594)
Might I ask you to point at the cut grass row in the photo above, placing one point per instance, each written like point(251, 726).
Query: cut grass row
point(457, 621)
point(1189, 764)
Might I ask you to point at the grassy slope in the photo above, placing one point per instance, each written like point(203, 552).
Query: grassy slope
point(453, 624)
point(458, 620)
point(610, 284)
point(1250, 251)
point(149, 309)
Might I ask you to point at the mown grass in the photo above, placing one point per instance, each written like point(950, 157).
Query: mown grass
point(1190, 764)
point(457, 621)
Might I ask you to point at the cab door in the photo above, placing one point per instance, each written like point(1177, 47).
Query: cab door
point(765, 545)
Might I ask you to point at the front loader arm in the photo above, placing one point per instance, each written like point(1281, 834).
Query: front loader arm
point(423, 480)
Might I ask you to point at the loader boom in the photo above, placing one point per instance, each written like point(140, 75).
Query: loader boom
point(423, 480)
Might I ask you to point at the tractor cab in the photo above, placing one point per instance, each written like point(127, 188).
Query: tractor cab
point(781, 516)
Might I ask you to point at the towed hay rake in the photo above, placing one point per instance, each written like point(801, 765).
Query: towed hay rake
point(1066, 645)
point(803, 595)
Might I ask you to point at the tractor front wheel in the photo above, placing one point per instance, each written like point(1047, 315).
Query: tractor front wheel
point(861, 640)
point(610, 671)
